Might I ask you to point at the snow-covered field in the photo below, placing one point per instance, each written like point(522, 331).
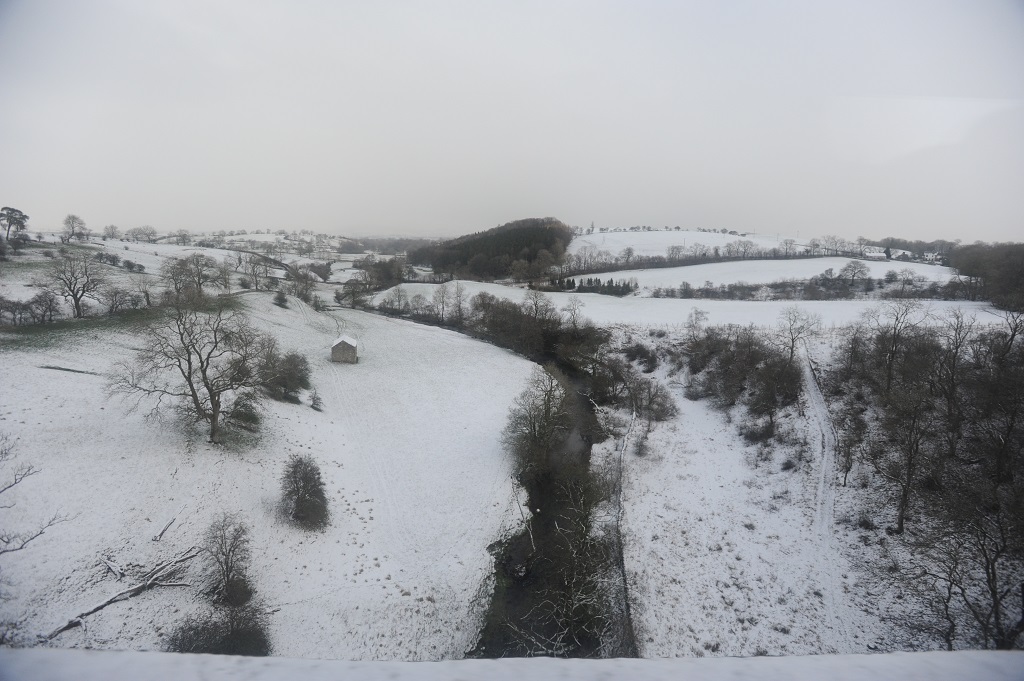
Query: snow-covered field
point(769, 271)
point(726, 553)
point(408, 442)
point(18, 275)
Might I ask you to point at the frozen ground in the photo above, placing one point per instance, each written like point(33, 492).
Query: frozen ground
point(727, 553)
point(408, 442)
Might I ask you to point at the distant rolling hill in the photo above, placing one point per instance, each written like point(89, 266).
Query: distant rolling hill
point(522, 247)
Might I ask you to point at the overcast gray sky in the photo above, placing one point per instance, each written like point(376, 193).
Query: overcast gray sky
point(870, 118)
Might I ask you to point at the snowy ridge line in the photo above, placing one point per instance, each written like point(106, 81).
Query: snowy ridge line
point(825, 503)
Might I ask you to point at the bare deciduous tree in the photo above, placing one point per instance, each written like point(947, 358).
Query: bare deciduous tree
point(893, 321)
point(143, 286)
point(573, 312)
point(538, 420)
point(16, 540)
point(541, 311)
point(256, 268)
point(202, 269)
point(303, 282)
point(441, 300)
point(203, 363)
point(115, 299)
point(227, 544)
point(76, 278)
point(395, 300)
point(795, 325)
point(909, 419)
point(223, 276)
point(854, 270)
point(74, 226)
point(458, 304)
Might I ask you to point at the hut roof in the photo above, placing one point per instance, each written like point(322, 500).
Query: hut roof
point(348, 340)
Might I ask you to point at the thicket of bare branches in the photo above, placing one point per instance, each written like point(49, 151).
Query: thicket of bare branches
point(538, 420)
point(936, 411)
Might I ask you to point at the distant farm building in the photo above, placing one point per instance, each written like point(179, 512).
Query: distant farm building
point(345, 349)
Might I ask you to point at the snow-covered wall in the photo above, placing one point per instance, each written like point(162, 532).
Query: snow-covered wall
point(91, 665)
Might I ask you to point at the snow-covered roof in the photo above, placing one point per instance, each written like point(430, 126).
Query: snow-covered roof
point(349, 340)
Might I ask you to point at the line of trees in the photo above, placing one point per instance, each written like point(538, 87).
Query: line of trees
point(539, 330)
point(591, 260)
point(611, 287)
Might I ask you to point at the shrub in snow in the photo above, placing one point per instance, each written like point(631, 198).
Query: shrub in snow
point(647, 357)
point(233, 631)
point(246, 410)
point(280, 299)
point(284, 375)
point(302, 492)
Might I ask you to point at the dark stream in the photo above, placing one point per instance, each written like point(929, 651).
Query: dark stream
point(551, 594)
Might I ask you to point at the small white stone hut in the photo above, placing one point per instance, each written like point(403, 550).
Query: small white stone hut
point(345, 349)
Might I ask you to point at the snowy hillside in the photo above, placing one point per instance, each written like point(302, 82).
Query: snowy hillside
point(729, 548)
point(408, 443)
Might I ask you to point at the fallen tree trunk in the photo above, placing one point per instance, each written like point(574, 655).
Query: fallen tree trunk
point(116, 570)
point(175, 517)
point(149, 580)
